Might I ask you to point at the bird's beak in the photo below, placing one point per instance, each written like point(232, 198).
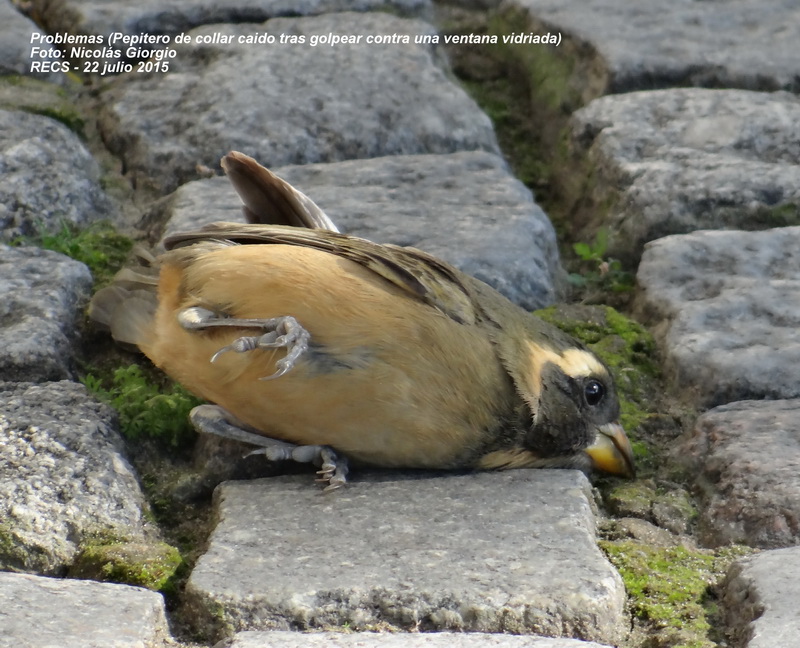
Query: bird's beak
point(611, 451)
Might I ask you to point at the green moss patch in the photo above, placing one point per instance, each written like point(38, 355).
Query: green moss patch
point(149, 405)
point(671, 590)
point(150, 565)
point(41, 98)
point(785, 215)
point(99, 246)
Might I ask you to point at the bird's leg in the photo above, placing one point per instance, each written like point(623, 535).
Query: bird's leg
point(281, 333)
point(212, 419)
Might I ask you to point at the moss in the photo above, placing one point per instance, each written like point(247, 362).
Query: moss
point(99, 246)
point(501, 100)
point(670, 589)
point(41, 98)
point(13, 554)
point(149, 405)
point(549, 69)
point(150, 565)
point(785, 215)
point(666, 507)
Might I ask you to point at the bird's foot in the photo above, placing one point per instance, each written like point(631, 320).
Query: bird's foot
point(212, 419)
point(281, 333)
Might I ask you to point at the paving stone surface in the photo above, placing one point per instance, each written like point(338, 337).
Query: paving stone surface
point(715, 43)
point(465, 208)
point(63, 476)
point(42, 294)
point(39, 612)
point(675, 161)
point(760, 595)
point(279, 639)
point(745, 458)
point(512, 552)
point(176, 16)
point(725, 308)
point(417, 552)
point(16, 36)
point(291, 104)
point(48, 177)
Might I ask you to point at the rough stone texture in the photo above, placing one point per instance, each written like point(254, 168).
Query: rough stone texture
point(714, 43)
point(176, 16)
point(41, 297)
point(725, 308)
point(744, 459)
point(278, 639)
point(62, 476)
point(465, 208)
point(15, 43)
point(680, 160)
point(760, 595)
point(48, 176)
point(291, 104)
point(38, 612)
point(419, 552)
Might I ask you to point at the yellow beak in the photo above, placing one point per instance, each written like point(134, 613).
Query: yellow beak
point(611, 451)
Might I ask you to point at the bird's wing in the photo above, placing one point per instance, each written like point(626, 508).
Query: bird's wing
point(415, 272)
point(270, 200)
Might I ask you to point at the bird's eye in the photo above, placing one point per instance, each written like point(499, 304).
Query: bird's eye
point(594, 391)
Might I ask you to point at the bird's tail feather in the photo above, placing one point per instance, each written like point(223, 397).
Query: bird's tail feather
point(127, 306)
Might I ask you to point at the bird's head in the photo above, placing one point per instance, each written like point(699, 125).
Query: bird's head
point(571, 417)
point(575, 419)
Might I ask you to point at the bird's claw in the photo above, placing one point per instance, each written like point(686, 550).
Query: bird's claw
point(281, 333)
point(333, 469)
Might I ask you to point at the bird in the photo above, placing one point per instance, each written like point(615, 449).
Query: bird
point(327, 348)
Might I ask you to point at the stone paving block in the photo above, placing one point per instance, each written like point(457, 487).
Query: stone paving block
point(48, 177)
point(714, 43)
point(761, 595)
point(725, 308)
point(16, 31)
point(63, 478)
point(676, 161)
point(465, 208)
point(42, 294)
point(291, 104)
point(745, 462)
point(488, 552)
point(176, 16)
point(281, 639)
point(39, 612)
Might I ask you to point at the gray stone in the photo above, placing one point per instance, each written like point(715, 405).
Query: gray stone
point(280, 639)
point(48, 177)
point(176, 16)
point(714, 43)
point(63, 478)
point(16, 32)
point(675, 161)
point(38, 612)
point(725, 308)
point(291, 104)
point(465, 208)
point(42, 295)
point(488, 552)
point(760, 597)
point(743, 458)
